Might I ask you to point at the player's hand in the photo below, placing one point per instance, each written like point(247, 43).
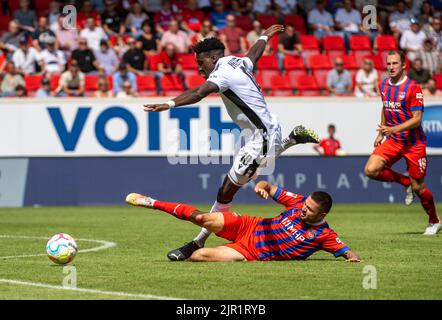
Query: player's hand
point(384, 130)
point(354, 259)
point(273, 30)
point(378, 140)
point(156, 107)
point(261, 192)
point(351, 256)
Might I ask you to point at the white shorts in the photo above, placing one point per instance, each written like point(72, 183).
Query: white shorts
point(256, 157)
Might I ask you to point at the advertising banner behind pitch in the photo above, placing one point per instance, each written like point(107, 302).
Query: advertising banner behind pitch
point(110, 127)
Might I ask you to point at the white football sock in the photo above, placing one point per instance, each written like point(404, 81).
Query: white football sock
point(204, 233)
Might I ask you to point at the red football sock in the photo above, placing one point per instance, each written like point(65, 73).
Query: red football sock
point(389, 175)
point(427, 202)
point(180, 210)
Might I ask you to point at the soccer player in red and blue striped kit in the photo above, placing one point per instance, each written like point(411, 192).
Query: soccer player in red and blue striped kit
point(296, 233)
point(401, 126)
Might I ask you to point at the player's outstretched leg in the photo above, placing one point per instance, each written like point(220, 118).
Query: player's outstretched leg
point(299, 135)
point(427, 201)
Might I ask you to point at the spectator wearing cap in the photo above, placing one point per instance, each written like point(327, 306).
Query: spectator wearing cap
point(11, 79)
point(134, 57)
point(431, 58)
point(339, 80)
point(127, 91)
point(320, 20)
point(400, 20)
point(41, 33)
point(149, 39)
point(10, 40)
point(122, 75)
point(25, 58)
point(164, 16)
point(135, 19)
point(45, 89)
point(412, 40)
point(67, 38)
point(366, 80)
point(85, 58)
point(71, 83)
point(219, 15)
point(25, 16)
point(288, 44)
point(93, 34)
point(52, 60)
point(176, 36)
point(112, 21)
point(233, 37)
point(107, 58)
point(418, 73)
point(103, 89)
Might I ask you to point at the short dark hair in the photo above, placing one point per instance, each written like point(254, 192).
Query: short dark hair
point(399, 52)
point(332, 126)
point(323, 199)
point(208, 45)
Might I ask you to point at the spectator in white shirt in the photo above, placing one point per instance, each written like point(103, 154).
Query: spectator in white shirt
point(320, 20)
point(52, 60)
point(400, 19)
point(93, 34)
point(412, 40)
point(25, 58)
point(366, 80)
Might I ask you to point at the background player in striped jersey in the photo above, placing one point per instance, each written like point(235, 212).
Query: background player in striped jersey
point(401, 126)
point(296, 233)
point(233, 78)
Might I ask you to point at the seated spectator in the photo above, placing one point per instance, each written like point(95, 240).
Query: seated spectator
point(41, 33)
point(434, 32)
point(254, 34)
point(400, 19)
point(366, 81)
point(330, 145)
point(45, 89)
point(135, 19)
point(412, 40)
point(151, 6)
point(219, 15)
point(112, 20)
point(339, 80)
point(134, 57)
point(87, 11)
point(206, 31)
point(71, 83)
point(10, 39)
point(107, 58)
point(25, 16)
point(121, 46)
point(262, 7)
point(176, 36)
point(348, 19)
point(51, 60)
point(289, 44)
point(320, 21)
point(286, 7)
point(93, 34)
point(431, 58)
point(10, 80)
point(85, 58)
point(122, 75)
point(103, 89)
point(54, 13)
point(25, 58)
point(20, 91)
point(149, 39)
point(430, 90)
point(127, 91)
point(244, 7)
point(418, 73)
point(233, 37)
point(67, 38)
point(163, 17)
point(192, 17)
point(168, 63)
point(426, 13)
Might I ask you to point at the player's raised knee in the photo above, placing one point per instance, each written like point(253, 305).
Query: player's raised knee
point(370, 171)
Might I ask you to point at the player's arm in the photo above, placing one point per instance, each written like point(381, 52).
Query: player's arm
point(190, 96)
point(256, 51)
point(380, 135)
point(265, 189)
point(414, 122)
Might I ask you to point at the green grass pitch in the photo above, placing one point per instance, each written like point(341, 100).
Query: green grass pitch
point(388, 237)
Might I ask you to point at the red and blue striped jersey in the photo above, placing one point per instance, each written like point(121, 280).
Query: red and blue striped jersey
point(399, 100)
point(287, 237)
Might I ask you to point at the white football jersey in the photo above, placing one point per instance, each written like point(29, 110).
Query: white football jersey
point(242, 95)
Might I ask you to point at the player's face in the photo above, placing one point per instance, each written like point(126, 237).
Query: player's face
point(311, 212)
point(394, 66)
point(206, 64)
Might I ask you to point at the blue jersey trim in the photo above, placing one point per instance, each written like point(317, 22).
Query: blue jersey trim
point(341, 251)
point(277, 194)
point(417, 108)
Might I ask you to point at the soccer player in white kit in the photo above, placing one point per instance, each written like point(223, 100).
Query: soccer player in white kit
point(233, 78)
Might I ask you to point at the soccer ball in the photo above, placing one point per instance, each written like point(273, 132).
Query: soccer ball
point(61, 248)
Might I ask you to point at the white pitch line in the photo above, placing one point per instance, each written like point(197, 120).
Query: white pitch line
point(111, 293)
point(104, 245)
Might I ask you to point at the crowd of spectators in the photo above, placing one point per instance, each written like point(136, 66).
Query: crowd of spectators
point(115, 42)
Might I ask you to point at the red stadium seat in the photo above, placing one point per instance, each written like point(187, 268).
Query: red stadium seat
point(320, 61)
point(310, 46)
point(293, 62)
point(294, 74)
point(350, 62)
point(385, 43)
point(4, 22)
point(146, 85)
point(244, 22)
point(281, 86)
point(378, 62)
point(110, 80)
point(334, 46)
point(269, 62)
point(90, 82)
point(273, 42)
point(171, 85)
point(188, 62)
point(32, 81)
point(438, 79)
point(360, 46)
point(307, 86)
point(42, 6)
point(320, 76)
point(54, 79)
point(297, 22)
point(194, 81)
point(153, 62)
point(267, 20)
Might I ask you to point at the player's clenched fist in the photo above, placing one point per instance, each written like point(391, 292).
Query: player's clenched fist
point(261, 192)
point(156, 107)
point(273, 29)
